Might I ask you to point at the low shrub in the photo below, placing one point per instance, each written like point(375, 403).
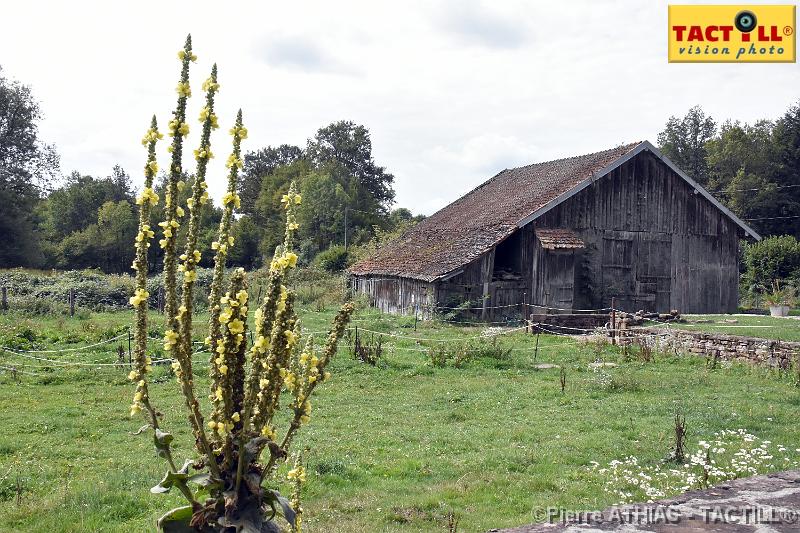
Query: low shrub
point(458, 355)
point(334, 259)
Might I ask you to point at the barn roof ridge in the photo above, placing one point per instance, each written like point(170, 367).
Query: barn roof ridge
point(463, 230)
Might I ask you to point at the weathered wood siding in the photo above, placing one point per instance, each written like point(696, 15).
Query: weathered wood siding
point(553, 280)
point(652, 242)
point(395, 295)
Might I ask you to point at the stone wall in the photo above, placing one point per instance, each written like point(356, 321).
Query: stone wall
point(766, 352)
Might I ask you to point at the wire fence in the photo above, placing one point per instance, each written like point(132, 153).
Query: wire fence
point(35, 361)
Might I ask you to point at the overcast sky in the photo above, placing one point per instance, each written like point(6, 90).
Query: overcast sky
point(452, 91)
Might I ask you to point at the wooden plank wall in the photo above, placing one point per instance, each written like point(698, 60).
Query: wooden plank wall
point(652, 242)
point(392, 294)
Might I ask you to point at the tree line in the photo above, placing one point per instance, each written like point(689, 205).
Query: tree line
point(754, 169)
point(80, 221)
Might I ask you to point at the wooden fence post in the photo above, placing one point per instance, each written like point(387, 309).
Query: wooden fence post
point(4, 303)
point(613, 320)
point(160, 300)
point(130, 357)
point(72, 302)
point(525, 312)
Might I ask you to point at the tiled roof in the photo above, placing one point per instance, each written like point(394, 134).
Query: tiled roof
point(558, 239)
point(467, 228)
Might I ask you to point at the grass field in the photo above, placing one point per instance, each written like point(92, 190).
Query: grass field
point(785, 329)
point(394, 447)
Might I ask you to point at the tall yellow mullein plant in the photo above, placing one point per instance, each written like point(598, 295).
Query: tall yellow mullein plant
point(229, 486)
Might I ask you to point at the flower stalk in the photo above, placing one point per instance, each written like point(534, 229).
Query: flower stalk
point(246, 380)
point(178, 129)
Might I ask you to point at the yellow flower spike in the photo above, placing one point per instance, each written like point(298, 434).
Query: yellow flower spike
point(197, 256)
point(235, 417)
point(236, 326)
point(184, 130)
point(170, 337)
point(210, 85)
point(261, 343)
point(133, 375)
point(179, 211)
point(139, 296)
point(183, 89)
point(181, 185)
point(223, 369)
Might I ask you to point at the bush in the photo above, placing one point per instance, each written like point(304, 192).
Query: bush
point(47, 292)
point(334, 259)
point(774, 258)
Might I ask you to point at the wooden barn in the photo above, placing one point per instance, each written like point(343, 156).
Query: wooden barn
point(569, 234)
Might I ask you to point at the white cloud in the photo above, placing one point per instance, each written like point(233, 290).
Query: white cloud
point(452, 92)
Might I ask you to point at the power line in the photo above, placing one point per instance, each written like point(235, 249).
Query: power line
point(720, 191)
point(772, 218)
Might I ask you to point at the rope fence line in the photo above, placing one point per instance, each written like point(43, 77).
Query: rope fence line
point(13, 370)
point(66, 364)
point(526, 349)
point(429, 307)
point(551, 329)
point(66, 350)
point(428, 339)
